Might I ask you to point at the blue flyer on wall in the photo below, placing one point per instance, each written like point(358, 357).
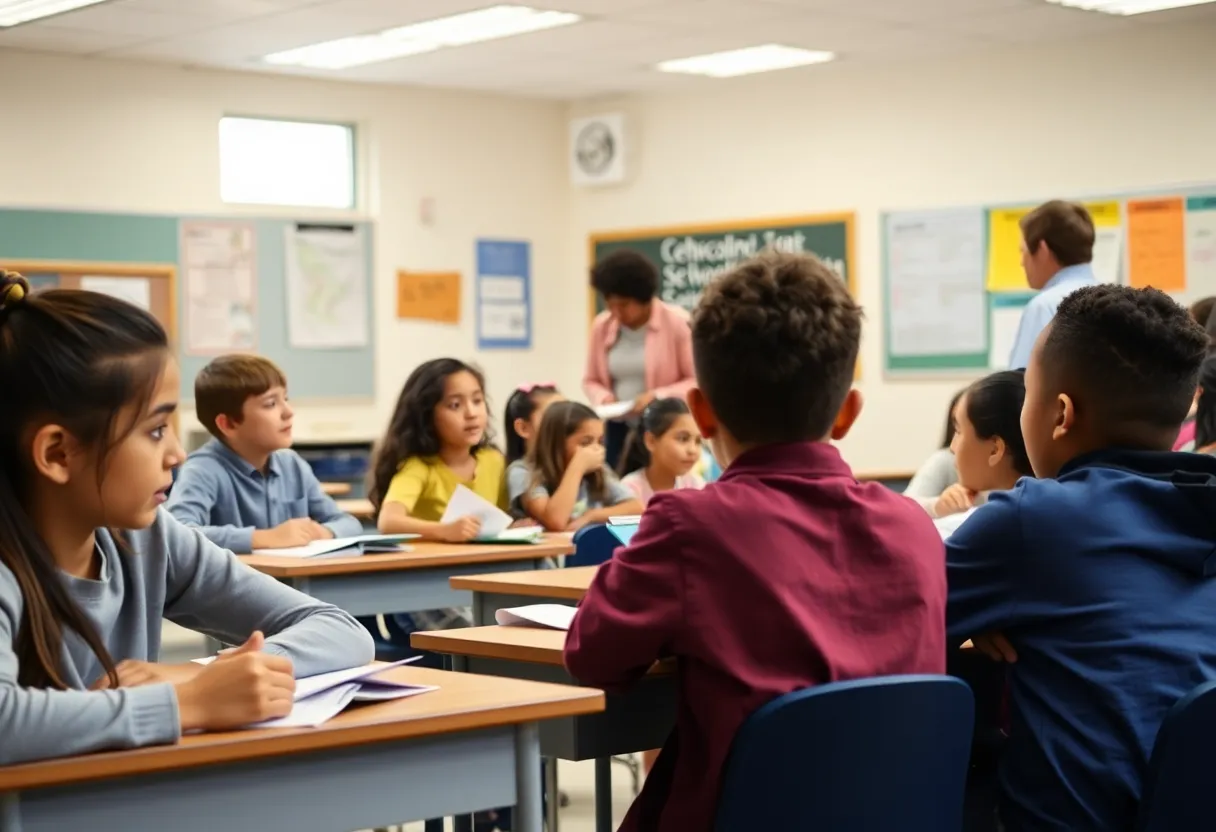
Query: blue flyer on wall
point(504, 294)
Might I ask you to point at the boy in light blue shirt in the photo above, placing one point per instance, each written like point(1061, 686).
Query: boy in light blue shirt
point(246, 489)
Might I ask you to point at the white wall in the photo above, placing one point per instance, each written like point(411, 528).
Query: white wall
point(142, 137)
point(1069, 119)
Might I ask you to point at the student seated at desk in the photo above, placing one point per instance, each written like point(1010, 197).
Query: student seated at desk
point(246, 489)
point(671, 443)
point(523, 414)
point(787, 572)
point(90, 563)
point(1098, 574)
point(571, 486)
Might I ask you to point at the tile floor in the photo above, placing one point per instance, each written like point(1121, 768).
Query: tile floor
point(577, 780)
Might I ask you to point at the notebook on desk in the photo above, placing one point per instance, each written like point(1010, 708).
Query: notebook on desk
point(344, 546)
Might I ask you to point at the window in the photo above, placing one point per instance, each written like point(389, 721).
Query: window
point(269, 162)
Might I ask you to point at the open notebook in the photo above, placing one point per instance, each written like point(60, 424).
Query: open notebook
point(320, 698)
point(344, 546)
point(495, 523)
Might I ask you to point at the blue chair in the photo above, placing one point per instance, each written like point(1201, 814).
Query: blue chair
point(1175, 795)
point(870, 755)
point(592, 546)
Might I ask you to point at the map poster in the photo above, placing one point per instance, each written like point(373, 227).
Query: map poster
point(326, 287)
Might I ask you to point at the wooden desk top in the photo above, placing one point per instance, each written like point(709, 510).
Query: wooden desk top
point(533, 645)
point(359, 507)
point(336, 489)
point(883, 476)
point(567, 584)
point(425, 555)
point(464, 702)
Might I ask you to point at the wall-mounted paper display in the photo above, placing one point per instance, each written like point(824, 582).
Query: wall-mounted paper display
point(134, 290)
point(1156, 243)
point(429, 296)
point(1201, 245)
point(504, 294)
point(219, 264)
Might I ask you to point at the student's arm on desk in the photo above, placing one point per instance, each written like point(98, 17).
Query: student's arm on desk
point(633, 614)
point(984, 558)
point(193, 497)
point(321, 506)
point(211, 591)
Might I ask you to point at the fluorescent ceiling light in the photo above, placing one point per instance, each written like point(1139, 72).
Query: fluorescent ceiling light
point(13, 12)
point(1128, 7)
point(417, 38)
point(747, 61)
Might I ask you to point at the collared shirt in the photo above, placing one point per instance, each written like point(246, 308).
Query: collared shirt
point(228, 499)
point(668, 366)
point(786, 573)
point(1042, 309)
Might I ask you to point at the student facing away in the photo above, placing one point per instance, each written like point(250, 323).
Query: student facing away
point(788, 572)
point(1098, 574)
point(90, 563)
point(246, 489)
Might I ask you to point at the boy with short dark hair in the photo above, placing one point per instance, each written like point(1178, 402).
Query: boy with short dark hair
point(785, 573)
point(1098, 574)
point(246, 489)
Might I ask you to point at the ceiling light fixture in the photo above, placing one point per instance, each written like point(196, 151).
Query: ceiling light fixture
point(13, 12)
point(427, 36)
point(1128, 7)
point(753, 59)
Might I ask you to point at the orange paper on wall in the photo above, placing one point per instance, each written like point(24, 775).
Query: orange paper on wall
point(1156, 243)
point(429, 296)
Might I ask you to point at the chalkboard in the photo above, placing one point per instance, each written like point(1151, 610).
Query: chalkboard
point(689, 257)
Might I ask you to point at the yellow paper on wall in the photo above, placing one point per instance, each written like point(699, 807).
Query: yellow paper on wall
point(429, 296)
point(1105, 214)
point(1005, 272)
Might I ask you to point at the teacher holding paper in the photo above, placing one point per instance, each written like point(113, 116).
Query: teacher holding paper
point(1057, 253)
point(641, 347)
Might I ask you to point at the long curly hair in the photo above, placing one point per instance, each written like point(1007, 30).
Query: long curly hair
point(411, 432)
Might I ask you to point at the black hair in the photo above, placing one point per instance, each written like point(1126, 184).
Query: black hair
point(1133, 355)
point(994, 408)
point(626, 274)
point(774, 345)
point(948, 436)
point(411, 431)
point(548, 458)
point(657, 419)
point(521, 405)
point(1205, 413)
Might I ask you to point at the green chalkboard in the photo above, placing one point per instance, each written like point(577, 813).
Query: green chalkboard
point(689, 257)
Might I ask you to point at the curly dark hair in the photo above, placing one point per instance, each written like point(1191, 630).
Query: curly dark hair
point(1134, 354)
point(775, 344)
point(994, 408)
point(411, 431)
point(626, 274)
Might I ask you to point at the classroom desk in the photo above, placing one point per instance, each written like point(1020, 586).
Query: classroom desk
point(637, 720)
point(336, 489)
point(517, 589)
point(471, 745)
point(359, 507)
point(404, 581)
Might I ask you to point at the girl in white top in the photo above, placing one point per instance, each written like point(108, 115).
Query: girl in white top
point(987, 444)
point(673, 449)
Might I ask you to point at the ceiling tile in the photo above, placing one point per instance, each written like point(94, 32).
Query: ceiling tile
point(119, 19)
point(906, 11)
point(62, 39)
point(708, 14)
point(1040, 22)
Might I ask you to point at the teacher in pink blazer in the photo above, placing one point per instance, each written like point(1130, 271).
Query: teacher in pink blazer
point(641, 347)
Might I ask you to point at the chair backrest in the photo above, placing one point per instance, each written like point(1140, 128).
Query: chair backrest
point(870, 755)
point(592, 546)
point(1175, 797)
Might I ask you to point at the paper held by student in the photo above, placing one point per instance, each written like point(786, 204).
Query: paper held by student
point(614, 411)
point(495, 523)
point(344, 546)
point(548, 616)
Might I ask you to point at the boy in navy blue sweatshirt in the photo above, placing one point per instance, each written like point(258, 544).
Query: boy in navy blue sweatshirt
point(1099, 573)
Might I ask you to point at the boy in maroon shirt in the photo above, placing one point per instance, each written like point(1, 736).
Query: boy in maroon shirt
point(787, 572)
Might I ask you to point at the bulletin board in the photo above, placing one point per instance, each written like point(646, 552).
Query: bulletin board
point(954, 289)
point(41, 242)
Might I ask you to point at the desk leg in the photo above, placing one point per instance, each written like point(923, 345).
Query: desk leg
point(10, 812)
point(528, 799)
point(552, 795)
point(603, 794)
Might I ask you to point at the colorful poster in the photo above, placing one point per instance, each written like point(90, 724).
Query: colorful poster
point(1156, 243)
point(1005, 273)
point(429, 296)
point(1201, 245)
point(504, 294)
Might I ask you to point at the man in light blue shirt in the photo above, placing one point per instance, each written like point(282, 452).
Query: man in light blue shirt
point(1057, 253)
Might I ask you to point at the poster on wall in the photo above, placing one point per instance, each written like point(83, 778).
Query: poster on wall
point(134, 290)
point(220, 263)
point(504, 294)
point(326, 287)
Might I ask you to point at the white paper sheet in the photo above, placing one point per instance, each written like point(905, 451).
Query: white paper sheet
point(310, 685)
point(326, 281)
point(948, 525)
point(1005, 321)
point(1201, 251)
point(343, 546)
point(134, 290)
point(504, 321)
point(614, 411)
point(550, 616)
point(220, 272)
point(1108, 253)
point(466, 503)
